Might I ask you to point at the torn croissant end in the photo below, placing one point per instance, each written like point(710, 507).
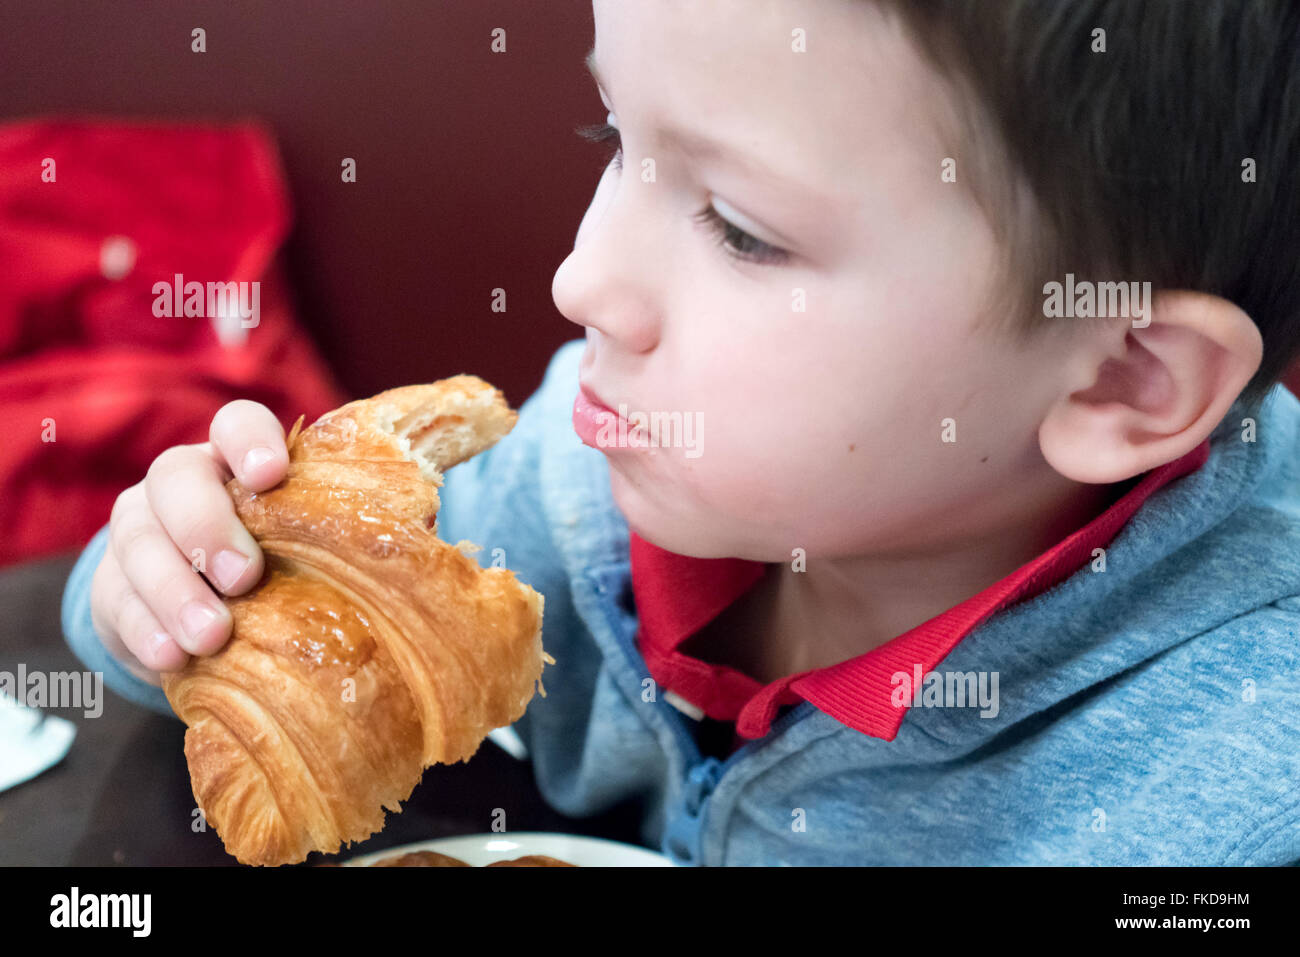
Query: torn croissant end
point(371, 648)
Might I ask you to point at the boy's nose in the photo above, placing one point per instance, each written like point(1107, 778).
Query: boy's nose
point(604, 284)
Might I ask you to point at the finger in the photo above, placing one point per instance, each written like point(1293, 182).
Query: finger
point(250, 440)
point(185, 490)
point(132, 634)
point(180, 600)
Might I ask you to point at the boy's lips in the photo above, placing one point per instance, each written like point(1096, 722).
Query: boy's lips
point(590, 415)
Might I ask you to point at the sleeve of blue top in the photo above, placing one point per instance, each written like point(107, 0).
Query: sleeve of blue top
point(86, 644)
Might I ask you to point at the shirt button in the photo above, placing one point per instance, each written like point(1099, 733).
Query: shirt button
point(699, 785)
point(684, 706)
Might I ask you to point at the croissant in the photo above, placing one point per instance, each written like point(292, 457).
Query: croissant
point(370, 649)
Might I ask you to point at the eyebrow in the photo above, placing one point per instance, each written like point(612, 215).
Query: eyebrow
point(701, 147)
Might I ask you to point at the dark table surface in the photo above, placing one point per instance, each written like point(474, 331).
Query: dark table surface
point(122, 794)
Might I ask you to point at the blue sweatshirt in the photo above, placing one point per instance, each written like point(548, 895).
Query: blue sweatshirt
point(1149, 714)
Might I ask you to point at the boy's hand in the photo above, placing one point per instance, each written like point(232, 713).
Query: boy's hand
point(147, 600)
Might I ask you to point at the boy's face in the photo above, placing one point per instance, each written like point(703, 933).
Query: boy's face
point(821, 428)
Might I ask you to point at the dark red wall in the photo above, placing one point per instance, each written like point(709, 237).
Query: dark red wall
point(469, 174)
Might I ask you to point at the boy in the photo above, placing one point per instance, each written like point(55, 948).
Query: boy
point(951, 571)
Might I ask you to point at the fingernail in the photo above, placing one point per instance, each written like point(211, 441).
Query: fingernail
point(228, 566)
point(159, 641)
point(195, 617)
point(256, 457)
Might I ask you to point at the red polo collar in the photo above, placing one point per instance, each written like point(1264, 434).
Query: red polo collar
point(677, 595)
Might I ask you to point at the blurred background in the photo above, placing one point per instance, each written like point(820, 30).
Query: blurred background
point(227, 165)
point(128, 158)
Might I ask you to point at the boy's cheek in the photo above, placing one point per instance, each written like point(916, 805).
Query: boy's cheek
point(727, 506)
point(764, 485)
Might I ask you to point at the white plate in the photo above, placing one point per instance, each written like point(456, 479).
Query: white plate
point(482, 849)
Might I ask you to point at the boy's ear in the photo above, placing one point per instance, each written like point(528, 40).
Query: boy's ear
point(1158, 391)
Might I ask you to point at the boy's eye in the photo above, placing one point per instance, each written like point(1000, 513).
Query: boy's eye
point(604, 133)
point(731, 237)
point(738, 242)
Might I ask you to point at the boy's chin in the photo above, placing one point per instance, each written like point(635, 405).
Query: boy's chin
point(663, 522)
point(660, 526)
point(678, 534)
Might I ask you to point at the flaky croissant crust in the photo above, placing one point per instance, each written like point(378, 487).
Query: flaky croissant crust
point(371, 649)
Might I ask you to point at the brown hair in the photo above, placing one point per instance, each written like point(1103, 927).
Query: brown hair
point(1128, 164)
